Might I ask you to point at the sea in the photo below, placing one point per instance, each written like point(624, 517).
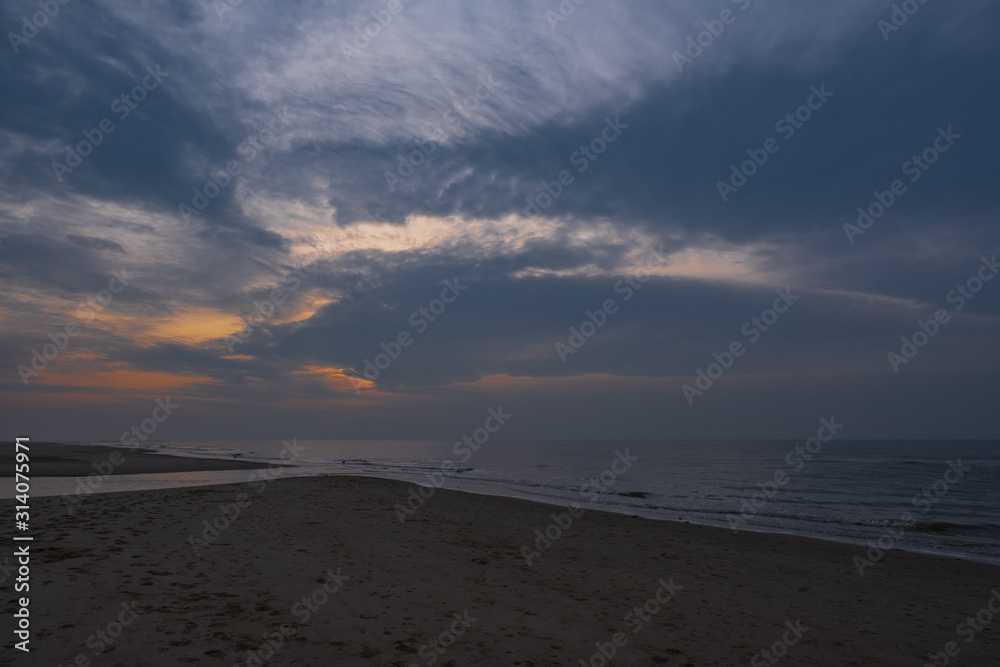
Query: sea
point(940, 496)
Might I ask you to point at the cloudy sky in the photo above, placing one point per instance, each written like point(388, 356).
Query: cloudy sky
point(237, 206)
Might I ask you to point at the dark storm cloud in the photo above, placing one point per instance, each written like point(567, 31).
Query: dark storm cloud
point(669, 327)
point(94, 242)
point(607, 69)
point(683, 136)
point(162, 141)
point(40, 259)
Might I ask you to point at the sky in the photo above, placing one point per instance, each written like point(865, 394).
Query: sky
point(379, 219)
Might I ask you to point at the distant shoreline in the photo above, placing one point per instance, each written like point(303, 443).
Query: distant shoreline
point(50, 459)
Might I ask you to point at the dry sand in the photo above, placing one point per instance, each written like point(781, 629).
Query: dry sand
point(402, 584)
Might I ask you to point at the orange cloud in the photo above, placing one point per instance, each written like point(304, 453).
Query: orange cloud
point(337, 378)
point(306, 308)
point(123, 380)
point(189, 326)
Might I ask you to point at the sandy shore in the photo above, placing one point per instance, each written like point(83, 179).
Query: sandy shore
point(55, 460)
point(378, 592)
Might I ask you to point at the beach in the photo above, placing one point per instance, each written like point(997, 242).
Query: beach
point(321, 571)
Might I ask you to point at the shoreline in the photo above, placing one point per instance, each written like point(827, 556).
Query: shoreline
point(75, 460)
point(51, 459)
point(402, 583)
point(632, 512)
